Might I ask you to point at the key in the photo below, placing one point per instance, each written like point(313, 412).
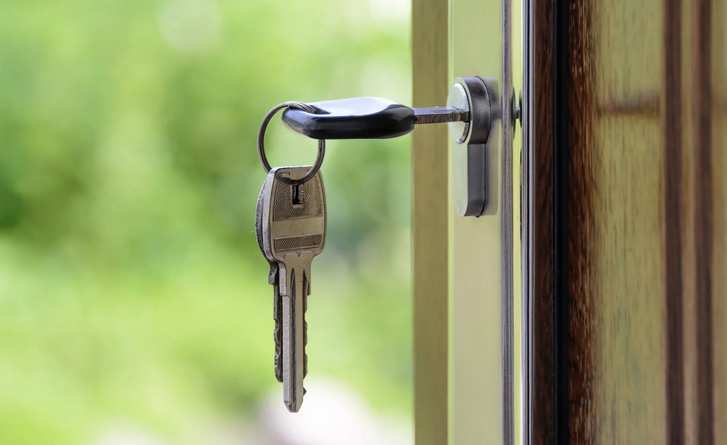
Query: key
point(366, 118)
point(473, 112)
point(272, 279)
point(293, 233)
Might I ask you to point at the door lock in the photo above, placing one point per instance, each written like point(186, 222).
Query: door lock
point(472, 108)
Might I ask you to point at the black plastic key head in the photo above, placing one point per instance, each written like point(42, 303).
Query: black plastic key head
point(356, 118)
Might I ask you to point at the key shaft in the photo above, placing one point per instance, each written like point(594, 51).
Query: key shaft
point(440, 115)
point(294, 357)
point(294, 223)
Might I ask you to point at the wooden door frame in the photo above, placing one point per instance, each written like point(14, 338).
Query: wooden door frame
point(464, 377)
point(559, 340)
point(430, 224)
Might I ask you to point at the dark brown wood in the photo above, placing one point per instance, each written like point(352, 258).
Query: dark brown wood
point(631, 234)
point(543, 365)
point(672, 111)
point(582, 207)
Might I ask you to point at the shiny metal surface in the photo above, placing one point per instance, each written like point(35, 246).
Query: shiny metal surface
point(261, 139)
point(527, 203)
point(458, 98)
point(440, 115)
point(507, 229)
point(469, 156)
point(293, 233)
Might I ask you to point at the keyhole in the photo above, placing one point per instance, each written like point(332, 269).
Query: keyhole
point(298, 194)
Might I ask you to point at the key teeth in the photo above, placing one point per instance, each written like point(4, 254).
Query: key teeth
point(305, 328)
point(278, 372)
point(278, 335)
point(273, 274)
point(278, 366)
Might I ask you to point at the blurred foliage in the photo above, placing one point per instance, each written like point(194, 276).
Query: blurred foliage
point(131, 286)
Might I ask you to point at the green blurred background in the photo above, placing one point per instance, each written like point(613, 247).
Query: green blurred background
point(134, 304)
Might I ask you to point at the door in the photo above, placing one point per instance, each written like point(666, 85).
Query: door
point(623, 279)
point(624, 226)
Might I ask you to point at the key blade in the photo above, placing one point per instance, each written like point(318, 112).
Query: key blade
point(438, 115)
point(294, 228)
point(294, 341)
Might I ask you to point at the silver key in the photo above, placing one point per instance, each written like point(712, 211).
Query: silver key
point(272, 279)
point(294, 232)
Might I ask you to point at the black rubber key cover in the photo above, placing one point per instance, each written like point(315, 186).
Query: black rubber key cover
point(356, 118)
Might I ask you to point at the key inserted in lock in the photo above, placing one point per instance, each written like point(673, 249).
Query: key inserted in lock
point(472, 107)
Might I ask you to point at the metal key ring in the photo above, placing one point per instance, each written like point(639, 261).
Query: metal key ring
point(261, 138)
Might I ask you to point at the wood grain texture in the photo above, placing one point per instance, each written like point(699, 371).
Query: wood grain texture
point(634, 227)
point(616, 220)
point(540, 224)
point(645, 222)
point(430, 223)
point(582, 211)
point(615, 268)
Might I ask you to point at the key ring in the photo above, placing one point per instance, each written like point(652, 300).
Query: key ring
point(261, 138)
